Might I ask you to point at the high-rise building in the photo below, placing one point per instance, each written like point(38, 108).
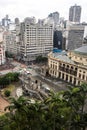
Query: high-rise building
point(2, 46)
point(17, 21)
point(2, 53)
point(57, 39)
point(10, 42)
point(74, 36)
point(75, 13)
point(35, 39)
point(6, 21)
point(55, 17)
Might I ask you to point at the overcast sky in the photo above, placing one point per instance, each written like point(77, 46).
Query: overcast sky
point(40, 8)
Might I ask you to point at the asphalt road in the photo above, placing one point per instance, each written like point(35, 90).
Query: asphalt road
point(52, 84)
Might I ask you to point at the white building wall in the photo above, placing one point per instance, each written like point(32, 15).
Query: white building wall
point(38, 40)
point(2, 54)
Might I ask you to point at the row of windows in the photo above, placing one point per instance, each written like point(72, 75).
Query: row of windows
point(53, 72)
point(53, 66)
point(68, 66)
point(83, 77)
point(62, 75)
point(39, 29)
point(82, 71)
point(80, 58)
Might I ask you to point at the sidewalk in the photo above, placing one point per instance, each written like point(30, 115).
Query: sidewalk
point(3, 104)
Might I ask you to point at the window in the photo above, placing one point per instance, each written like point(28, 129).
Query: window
point(63, 64)
point(79, 75)
point(67, 66)
point(83, 77)
point(55, 73)
point(75, 68)
point(55, 67)
point(80, 71)
point(71, 67)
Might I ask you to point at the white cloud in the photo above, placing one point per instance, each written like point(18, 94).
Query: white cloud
point(39, 8)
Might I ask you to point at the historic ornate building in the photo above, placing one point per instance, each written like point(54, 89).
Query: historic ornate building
point(70, 67)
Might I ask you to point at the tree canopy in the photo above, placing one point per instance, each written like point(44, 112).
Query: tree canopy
point(9, 78)
point(65, 110)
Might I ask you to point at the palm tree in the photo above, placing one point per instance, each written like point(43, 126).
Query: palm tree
point(18, 112)
point(62, 110)
point(58, 112)
point(76, 97)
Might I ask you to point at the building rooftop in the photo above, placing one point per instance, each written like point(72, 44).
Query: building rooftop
point(63, 57)
point(81, 50)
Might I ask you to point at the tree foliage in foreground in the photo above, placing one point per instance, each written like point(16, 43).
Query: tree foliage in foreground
point(65, 110)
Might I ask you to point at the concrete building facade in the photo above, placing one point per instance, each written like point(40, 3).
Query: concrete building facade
point(10, 42)
point(75, 13)
point(57, 39)
point(2, 53)
point(2, 46)
point(74, 35)
point(35, 40)
point(55, 17)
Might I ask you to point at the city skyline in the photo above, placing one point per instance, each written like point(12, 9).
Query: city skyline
point(40, 8)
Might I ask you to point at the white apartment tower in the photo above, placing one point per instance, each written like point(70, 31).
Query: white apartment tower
point(75, 13)
point(2, 53)
point(2, 46)
point(35, 39)
point(10, 42)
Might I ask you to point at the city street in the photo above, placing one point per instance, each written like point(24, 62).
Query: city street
point(17, 67)
point(48, 84)
point(55, 85)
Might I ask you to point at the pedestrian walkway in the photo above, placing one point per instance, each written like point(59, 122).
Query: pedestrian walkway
point(3, 104)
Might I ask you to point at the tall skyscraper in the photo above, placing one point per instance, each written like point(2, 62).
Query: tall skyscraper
point(35, 39)
point(75, 13)
point(55, 17)
point(75, 35)
point(6, 21)
point(17, 21)
point(57, 39)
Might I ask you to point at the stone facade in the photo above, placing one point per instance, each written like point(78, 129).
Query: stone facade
point(64, 67)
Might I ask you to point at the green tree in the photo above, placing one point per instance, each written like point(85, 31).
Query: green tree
point(8, 78)
point(76, 99)
point(19, 111)
point(7, 93)
point(58, 112)
point(64, 110)
point(41, 59)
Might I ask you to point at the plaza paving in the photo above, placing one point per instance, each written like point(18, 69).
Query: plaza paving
point(3, 104)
